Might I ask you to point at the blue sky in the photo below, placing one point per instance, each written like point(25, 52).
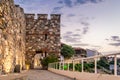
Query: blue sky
point(92, 24)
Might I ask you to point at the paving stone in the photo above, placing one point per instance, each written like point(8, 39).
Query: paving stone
point(45, 75)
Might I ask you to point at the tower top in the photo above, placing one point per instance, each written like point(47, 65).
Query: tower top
point(43, 16)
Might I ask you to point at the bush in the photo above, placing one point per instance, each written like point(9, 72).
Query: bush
point(50, 59)
point(71, 66)
point(78, 67)
point(103, 63)
point(65, 67)
point(88, 67)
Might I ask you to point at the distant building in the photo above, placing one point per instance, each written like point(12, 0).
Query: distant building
point(80, 52)
point(91, 52)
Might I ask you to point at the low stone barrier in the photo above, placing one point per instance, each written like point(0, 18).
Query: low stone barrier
point(85, 75)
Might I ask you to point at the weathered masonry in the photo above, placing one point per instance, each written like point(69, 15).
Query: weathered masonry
point(42, 35)
point(22, 36)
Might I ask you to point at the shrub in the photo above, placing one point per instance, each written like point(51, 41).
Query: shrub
point(78, 67)
point(49, 59)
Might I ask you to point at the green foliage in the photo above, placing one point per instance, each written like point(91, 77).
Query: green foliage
point(67, 51)
point(103, 63)
point(49, 59)
point(71, 66)
point(88, 67)
point(78, 67)
point(112, 62)
point(65, 67)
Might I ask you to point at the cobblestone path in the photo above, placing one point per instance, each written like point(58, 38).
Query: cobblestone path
point(45, 75)
point(34, 75)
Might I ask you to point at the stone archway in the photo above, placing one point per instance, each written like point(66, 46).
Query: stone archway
point(37, 62)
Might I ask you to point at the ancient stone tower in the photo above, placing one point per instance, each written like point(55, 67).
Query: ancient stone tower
point(22, 36)
point(42, 35)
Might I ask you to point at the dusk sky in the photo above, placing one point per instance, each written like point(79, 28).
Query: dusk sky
point(91, 24)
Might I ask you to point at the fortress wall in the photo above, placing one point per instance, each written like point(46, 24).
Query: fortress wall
point(21, 35)
point(12, 35)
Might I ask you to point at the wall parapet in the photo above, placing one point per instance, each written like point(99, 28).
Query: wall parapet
point(43, 16)
point(55, 16)
point(30, 16)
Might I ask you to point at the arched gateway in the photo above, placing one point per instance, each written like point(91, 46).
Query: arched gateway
point(22, 37)
point(42, 37)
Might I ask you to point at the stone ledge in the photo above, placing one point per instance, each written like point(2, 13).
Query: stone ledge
point(84, 75)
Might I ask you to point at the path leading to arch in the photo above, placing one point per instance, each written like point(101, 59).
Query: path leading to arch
point(45, 75)
point(34, 75)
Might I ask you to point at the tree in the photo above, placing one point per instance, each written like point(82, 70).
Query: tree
point(67, 51)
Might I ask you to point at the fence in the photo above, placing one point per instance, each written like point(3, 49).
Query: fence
point(89, 64)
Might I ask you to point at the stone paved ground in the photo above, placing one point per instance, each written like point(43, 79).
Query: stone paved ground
point(45, 75)
point(35, 75)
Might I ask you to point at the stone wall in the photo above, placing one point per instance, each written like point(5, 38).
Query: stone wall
point(22, 36)
point(42, 35)
point(12, 35)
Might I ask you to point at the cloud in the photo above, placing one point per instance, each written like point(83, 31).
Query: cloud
point(56, 10)
point(70, 15)
point(77, 35)
point(26, 1)
point(81, 1)
point(115, 44)
point(62, 25)
point(115, 38)
point(71, 37)
point(71, 3)
point(85, 30)
point(68, 3)
point(69, 32)
point(85, 23)
point(87, 1)
point(96, 46)
point(20, 1)
point(78, 30)
point(107, 39)
point(114, 41)
point(80, 44)
point(60, 2)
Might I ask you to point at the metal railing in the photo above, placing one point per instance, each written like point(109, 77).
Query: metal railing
point(70, 65)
